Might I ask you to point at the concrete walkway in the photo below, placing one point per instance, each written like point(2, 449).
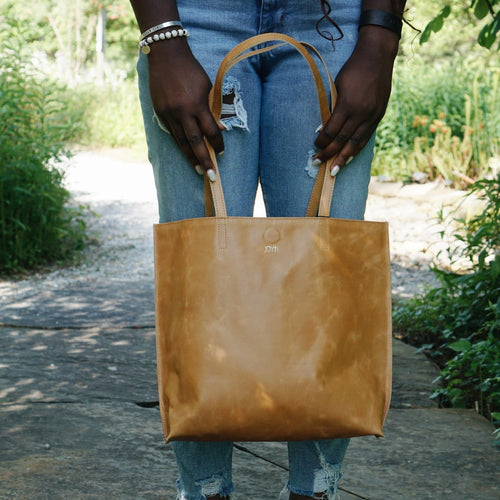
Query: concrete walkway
point(79, 419)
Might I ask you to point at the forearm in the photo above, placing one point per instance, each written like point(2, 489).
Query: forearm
point(363, 86)
point(150, 13)
point(179, 87)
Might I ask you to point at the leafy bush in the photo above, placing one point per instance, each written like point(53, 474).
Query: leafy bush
point(496, 420)
point(458, 323)
point(472, 377)
point(36, 223)
point(443, 122)
point(482, 9)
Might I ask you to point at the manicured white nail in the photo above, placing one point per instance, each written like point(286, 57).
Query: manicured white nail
point(318, 129)
point(199, 170)
point(317, 162)
point(221, 154)
point(334, 171)
point(211, 175)
point(349, 160)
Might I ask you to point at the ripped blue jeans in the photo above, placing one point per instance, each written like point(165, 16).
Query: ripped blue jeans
point(271, 115)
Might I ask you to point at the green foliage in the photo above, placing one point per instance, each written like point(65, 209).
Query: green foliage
point(481, 9)
point(496, 420)
point(481, 237)
point(472, 377)
point(444, 123)
point(36, 223)
point(111, 115)
point(65, 31)
point(435, 25)
point(458, 323)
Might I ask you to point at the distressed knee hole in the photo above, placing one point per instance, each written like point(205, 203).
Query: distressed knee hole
point(327, 477)
point(311, 169)
point(214, 485)
point(233, 112)
point(217, 484)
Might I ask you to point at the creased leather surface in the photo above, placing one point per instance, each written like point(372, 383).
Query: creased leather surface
point(285, 334)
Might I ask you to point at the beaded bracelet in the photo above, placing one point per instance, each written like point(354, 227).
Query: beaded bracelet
point(381, 18)
point(144, 44)
point(158, 27)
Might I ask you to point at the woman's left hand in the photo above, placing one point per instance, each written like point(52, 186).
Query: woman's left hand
point(363, 87)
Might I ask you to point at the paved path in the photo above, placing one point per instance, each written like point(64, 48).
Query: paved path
point(78, 414)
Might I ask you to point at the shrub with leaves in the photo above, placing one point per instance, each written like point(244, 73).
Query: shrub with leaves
point(472, 377)
point(458, 323)
point(443, 123)
point(36, 223)
point(488, 10)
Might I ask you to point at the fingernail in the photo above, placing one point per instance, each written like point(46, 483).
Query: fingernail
point(221, 154)
point(334, 171)
point(199, 170)
point(349, 160)
point(317, 162)
point(211, 175)
point(318, 129)
point(222, 126)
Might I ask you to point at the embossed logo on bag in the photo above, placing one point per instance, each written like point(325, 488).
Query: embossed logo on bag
point(271, 249)
point(271, 237)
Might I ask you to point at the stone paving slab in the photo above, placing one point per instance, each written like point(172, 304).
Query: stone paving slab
point(77, 365)
point(84, 450)
point(103, 450)
point(412, 377)
point(112, 303)
point(427, 454)
point(115, 450)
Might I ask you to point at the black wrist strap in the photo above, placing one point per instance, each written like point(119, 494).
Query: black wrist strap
point(381, 18)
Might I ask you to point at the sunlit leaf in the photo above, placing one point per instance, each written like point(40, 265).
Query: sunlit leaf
point(435, 25)
point(481, 9)
point(488, 34)
point(461, 345)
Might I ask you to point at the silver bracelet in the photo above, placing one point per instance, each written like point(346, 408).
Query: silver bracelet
point(159, 27)
point(144, 44)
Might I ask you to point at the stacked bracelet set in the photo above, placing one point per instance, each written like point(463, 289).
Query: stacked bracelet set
point(381, 18)
point(373, 17)
point(151, 35)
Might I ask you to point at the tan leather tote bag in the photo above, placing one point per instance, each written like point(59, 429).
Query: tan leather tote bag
point(272, 329)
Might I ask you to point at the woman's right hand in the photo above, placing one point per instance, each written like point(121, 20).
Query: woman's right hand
point(179, 89)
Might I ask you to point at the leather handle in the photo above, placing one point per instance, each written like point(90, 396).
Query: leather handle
point(323, 188)
point(237, 54)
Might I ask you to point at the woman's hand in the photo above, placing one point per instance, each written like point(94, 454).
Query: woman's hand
point(363, 86)
point(179, 90)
